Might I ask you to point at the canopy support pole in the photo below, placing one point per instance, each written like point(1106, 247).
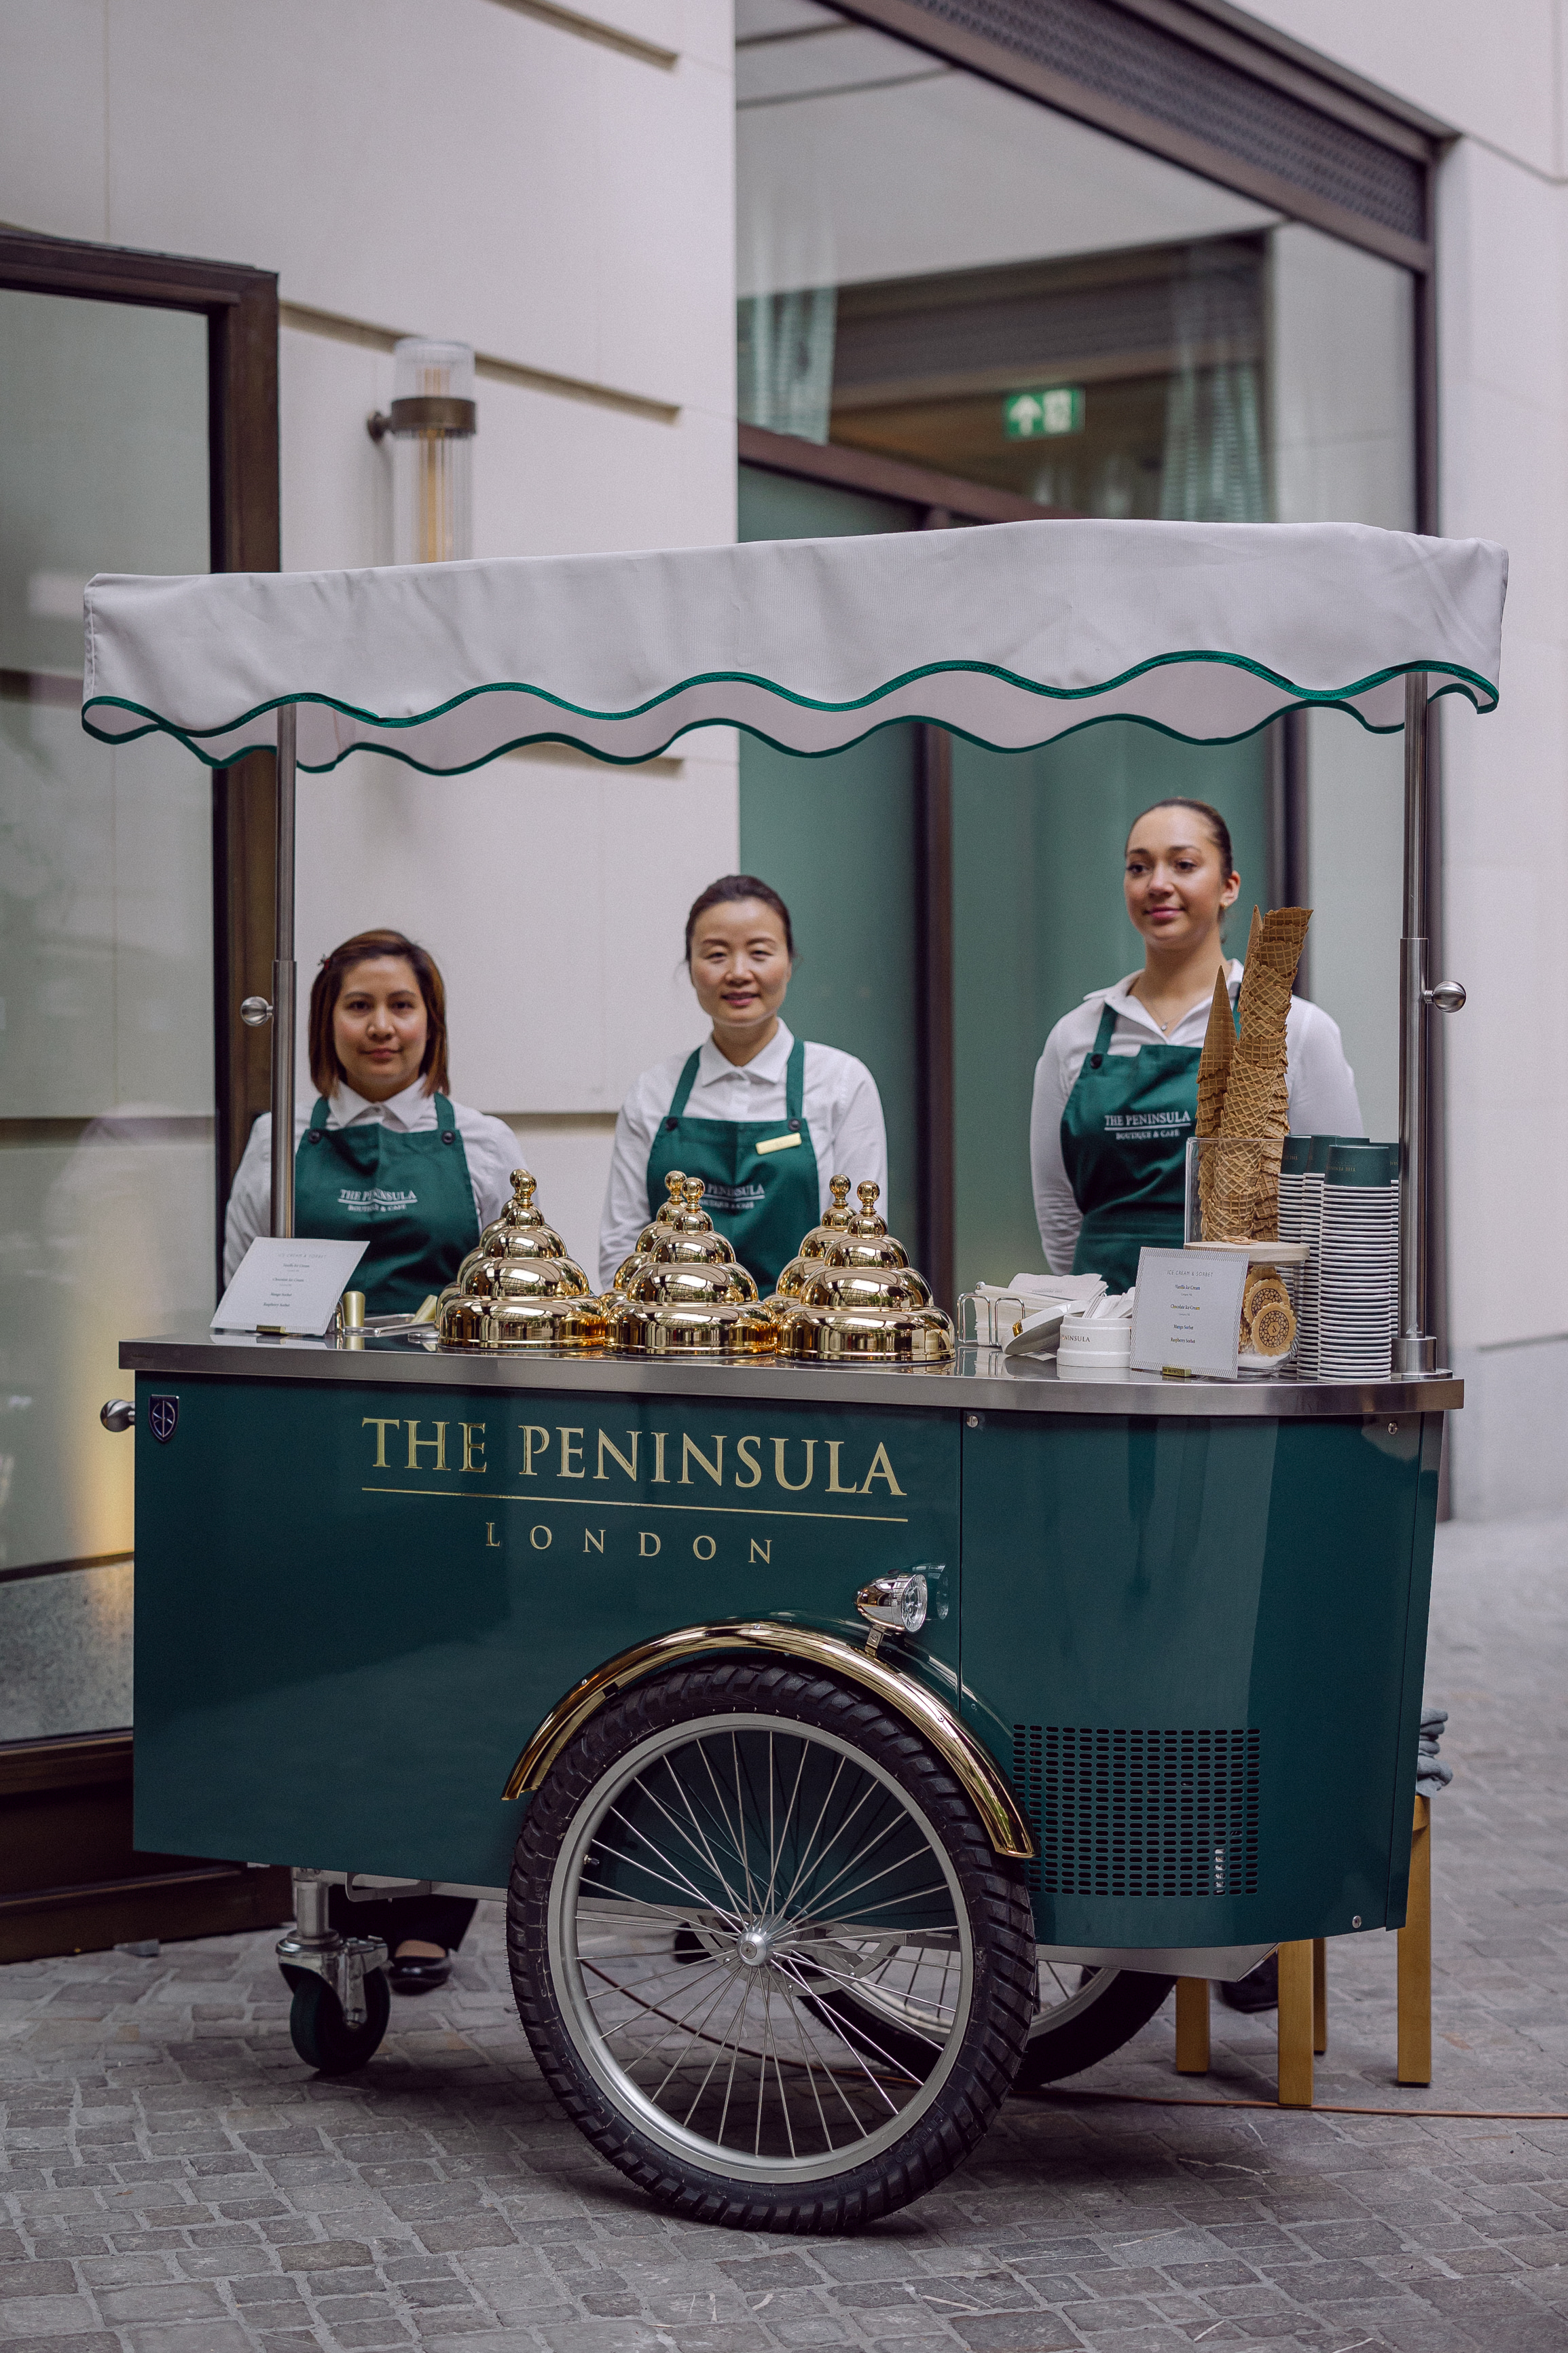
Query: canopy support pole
point(1414, 1349)
point(283, 983)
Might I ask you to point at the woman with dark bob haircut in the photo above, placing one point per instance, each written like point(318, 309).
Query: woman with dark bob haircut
point(761, 1116)
point(384, 1156)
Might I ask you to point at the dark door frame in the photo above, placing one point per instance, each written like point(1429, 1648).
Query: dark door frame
point(240, 306)
point(1206, 87)
point(1081, 57)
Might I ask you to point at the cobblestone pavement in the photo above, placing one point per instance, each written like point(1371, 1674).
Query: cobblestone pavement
point(176, 2182)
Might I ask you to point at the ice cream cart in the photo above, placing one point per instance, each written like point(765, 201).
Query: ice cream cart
point(791, 1905)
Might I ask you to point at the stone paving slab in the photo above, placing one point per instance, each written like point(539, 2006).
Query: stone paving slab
point(174, 2181)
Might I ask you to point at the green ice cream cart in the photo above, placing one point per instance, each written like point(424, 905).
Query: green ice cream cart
point(792, 1905)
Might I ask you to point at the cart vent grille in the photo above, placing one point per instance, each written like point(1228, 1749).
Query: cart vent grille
point(1139, 1813)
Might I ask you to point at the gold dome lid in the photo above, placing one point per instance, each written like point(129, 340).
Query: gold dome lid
point(862, 1299)
point(835, 1221)
point(670, 1211)
point(687, 1295)
point(518, 1289)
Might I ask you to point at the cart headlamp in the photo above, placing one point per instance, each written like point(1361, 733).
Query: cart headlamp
point(894, 1604)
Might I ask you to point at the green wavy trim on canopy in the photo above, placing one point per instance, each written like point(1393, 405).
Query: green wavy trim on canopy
point(1478, 691)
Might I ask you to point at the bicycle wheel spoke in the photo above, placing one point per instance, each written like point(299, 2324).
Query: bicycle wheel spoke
point(821, 1970)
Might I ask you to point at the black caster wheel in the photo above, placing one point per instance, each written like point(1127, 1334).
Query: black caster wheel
point(1083, 2015)
point(319, 2032)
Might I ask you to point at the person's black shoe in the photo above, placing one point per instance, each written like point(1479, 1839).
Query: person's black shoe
point(418, 1972)
point(1258, 1990)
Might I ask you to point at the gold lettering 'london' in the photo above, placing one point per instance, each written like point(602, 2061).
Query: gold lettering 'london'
point(792, 1466)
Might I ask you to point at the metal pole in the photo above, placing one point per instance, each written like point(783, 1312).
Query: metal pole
point(1413, 1348)
point(283, 979)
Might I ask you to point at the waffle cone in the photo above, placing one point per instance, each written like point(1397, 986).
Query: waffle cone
point(1214, 1064)
point(1283, 937)
point(1246, 1099)
point(1265, 999)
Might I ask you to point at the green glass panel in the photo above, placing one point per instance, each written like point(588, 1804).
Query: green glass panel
point(1038, 921)
point(836, 838)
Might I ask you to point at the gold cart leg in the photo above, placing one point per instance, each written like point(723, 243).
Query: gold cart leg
point(1296, 2025)
point(1192, 2026)
point(1319, 1996)
point(1416, 1957)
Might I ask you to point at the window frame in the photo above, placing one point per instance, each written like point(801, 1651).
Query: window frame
point(240, 306)
point(1224, 43)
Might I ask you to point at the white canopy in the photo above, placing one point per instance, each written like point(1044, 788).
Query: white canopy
point(1010, 635)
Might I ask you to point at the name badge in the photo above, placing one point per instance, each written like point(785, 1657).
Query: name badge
point(778, 1144)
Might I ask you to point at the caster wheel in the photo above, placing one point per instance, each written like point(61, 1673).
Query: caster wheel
point(1083, 2015)
point(318, 2030)
point(843, 2022)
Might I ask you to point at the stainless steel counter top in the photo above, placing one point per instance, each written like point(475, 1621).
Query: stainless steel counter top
point(980, 1381)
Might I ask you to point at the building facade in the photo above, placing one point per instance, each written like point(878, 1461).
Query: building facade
point(917, 263)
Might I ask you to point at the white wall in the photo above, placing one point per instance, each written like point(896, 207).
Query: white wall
point(1497, 77)
point(554, 187)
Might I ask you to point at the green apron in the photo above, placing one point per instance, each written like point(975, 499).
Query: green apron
point(1124, 1147)
point(410, 1194)
point(763, 1190)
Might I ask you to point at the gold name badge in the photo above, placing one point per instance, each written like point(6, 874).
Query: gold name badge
point(778, 1143)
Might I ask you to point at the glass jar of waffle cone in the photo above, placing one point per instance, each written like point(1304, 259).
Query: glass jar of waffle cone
point(1233, 1204)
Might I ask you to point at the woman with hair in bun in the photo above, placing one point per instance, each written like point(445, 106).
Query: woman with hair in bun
point(1116, 1090)
point(763, 1118)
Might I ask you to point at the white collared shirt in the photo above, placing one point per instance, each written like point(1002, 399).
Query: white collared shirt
point(1321, 1082)
point(490, 1148)
point(840, 1106)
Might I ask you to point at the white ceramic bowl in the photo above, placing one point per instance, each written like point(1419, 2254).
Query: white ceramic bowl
point(1093, 1351)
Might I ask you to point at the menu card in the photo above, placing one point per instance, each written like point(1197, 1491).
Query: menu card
point(288, 1286)
point(1187, 1317)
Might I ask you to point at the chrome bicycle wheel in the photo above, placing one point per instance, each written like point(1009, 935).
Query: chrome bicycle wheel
point(733, 1879)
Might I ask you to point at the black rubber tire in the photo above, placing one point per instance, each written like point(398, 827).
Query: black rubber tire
point(318, 2029)
point(1107, 2013)
point(996, 1906)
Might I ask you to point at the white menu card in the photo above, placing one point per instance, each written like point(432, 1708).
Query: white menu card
point(288, 1286)
point(1187, 1318)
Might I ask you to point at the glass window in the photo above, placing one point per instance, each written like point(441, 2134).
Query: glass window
point(940, 270)
point(106, 1056)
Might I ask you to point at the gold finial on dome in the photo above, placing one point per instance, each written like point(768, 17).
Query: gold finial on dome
point(854, 1295)
point(517, 1288)
point(685, 1293)
point(672, 1186)
point(835, 1220)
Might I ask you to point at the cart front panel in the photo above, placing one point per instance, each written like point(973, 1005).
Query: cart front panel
point(353, 1604)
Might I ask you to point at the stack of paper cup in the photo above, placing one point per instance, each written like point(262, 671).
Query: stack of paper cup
point(1292, 1175)
point(1358, 1261)
point(1308, 1310)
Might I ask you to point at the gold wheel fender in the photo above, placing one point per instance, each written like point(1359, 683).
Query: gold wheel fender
point(973, 1767)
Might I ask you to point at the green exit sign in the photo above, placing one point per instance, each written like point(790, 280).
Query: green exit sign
point(1050, 410)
